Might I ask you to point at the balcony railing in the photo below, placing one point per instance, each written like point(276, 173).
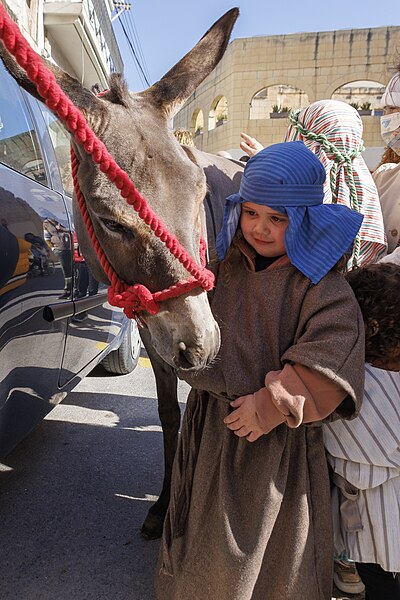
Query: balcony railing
point(99, 18)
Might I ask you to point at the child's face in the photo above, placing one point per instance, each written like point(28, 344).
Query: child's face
point(264, 229)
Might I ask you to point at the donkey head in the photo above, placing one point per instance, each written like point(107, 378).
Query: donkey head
point(135, 130)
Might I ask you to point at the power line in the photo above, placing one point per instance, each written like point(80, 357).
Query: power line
point(144, 78)
point(135, 56)
point(135, 34)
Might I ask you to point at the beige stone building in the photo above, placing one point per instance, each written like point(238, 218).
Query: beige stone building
point(259, 77)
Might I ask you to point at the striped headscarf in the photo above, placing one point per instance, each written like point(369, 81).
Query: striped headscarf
point(333, 130)
point(290, 179)
point(391, 96)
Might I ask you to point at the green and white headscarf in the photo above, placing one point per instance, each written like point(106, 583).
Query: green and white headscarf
point(333, 130)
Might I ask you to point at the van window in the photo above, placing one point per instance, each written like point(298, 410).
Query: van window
point(19, 146)
point(62, 144)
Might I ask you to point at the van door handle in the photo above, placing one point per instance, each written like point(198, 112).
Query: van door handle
point(63, 310)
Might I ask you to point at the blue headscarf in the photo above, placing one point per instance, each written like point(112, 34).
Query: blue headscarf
point(289, 178)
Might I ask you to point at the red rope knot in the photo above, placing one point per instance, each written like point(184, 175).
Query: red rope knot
point(133, 300)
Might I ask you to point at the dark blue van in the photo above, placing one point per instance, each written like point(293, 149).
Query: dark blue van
point(55, 322)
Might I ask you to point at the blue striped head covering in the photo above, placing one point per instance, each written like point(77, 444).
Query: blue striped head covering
point(289, 178)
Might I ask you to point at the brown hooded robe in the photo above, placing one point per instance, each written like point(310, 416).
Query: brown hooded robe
point(253, 520)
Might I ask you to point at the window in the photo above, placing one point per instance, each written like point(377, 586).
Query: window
point(19, 147)
point(62, 144)
point(218, 113)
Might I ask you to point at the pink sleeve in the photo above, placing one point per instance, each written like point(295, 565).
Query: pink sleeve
point(295, 395)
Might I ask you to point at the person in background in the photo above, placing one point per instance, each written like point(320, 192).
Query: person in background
point(364, 453)
point(250, 498)
point(93, 284)
point(184, 137)
point(387, 175)
point(61, 245)
point(39, 250)
point(224, 154)
point(388, 156)
point(333, 130)
point(81, 275)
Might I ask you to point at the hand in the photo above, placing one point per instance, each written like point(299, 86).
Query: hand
point(244, 420)
point(250, 145)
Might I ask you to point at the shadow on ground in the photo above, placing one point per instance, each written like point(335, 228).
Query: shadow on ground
point(74, 498)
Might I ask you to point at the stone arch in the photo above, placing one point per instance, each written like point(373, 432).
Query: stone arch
point(291, 81)
point(356, 75)
point(197, 122)
point(275, 99)
point(218, 113)
point(363, 94)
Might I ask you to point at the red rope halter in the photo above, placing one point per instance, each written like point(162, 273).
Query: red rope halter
point(132, 298)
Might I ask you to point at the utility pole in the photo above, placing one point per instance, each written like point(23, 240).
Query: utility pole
point(120, 7)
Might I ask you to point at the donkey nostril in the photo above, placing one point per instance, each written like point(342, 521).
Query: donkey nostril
point(184, 358)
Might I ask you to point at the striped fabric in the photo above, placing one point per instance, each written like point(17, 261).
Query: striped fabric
point(289, 179)
point(366, 453)
point(391, 96)
point(341, 124)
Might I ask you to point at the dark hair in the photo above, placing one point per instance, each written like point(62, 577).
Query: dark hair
point(376, 288)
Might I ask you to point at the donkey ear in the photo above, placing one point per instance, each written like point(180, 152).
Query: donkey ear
point(84, 99)
point(179, 83)
point(118, 91)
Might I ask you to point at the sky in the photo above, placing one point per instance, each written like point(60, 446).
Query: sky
point(167, 30)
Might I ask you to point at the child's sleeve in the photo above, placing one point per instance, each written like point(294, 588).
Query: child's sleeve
point(296, 395)
point(330, 342)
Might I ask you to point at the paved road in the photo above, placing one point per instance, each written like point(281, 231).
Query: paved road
point(74, 494)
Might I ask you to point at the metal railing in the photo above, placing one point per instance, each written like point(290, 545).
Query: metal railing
point(101, 23)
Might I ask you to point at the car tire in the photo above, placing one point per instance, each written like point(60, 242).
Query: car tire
point(125, 358)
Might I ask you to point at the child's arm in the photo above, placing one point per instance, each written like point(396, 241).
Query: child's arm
point(288, 396)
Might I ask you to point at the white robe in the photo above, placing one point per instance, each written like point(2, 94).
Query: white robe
point(387, 181)
point(366, 453)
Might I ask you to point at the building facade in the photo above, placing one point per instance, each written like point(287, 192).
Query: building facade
point(77, 35)
point(260, 78)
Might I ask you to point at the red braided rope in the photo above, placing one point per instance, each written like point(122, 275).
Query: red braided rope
point(58, 102)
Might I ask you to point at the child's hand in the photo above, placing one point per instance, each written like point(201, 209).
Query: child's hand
point(244, 421)
point(250, 145)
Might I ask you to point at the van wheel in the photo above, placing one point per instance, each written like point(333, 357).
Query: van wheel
point(126, 357)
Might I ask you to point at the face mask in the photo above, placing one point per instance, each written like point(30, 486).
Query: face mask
point(390, 131)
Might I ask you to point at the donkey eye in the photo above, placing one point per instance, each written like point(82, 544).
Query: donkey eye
point(117, 227)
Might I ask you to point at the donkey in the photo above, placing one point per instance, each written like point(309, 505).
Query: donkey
point(181, 184)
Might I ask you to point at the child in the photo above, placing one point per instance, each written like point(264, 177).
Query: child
point(364, 453)
point(253, 520)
